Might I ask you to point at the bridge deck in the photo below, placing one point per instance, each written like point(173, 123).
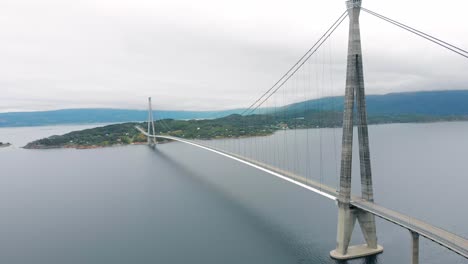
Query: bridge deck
point(445, 238)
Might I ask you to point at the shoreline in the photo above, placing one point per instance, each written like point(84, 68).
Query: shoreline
point(78, 147)
point(41, 147)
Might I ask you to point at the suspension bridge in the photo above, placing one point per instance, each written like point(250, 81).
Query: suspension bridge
point(351, 208)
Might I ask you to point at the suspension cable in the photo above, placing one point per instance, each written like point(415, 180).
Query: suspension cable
point(163, 123)
point(293, 68)
point(426, 36)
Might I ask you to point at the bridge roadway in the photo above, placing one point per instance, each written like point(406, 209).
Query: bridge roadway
point(446, 239)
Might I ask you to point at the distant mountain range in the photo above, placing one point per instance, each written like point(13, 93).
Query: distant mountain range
point(430, 104)
point(99, 115)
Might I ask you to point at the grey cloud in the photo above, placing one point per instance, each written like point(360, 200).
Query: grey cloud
point(203, 56)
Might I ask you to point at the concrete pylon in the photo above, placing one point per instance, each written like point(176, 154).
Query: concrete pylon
point(151, 140)
point(347, 214)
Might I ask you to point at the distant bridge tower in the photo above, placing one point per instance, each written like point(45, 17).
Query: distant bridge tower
point(347, 214)
point(151, 140)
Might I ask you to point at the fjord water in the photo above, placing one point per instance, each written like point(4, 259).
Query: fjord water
point(180, 204)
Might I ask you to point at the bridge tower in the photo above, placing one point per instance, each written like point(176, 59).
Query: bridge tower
point(347, 214)
point(151, 140)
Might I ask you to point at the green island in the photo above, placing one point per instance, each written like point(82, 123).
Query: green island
point(232, 126)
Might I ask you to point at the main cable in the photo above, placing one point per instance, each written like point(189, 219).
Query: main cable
point(426, 36)
point(332, 27)
point(301, 64)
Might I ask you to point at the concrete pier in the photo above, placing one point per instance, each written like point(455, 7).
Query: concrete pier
point(357, 251)
point(414, 247)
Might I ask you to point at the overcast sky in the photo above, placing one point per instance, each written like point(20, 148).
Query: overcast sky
point(208, 54)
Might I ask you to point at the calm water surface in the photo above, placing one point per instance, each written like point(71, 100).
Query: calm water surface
point(179, 204)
